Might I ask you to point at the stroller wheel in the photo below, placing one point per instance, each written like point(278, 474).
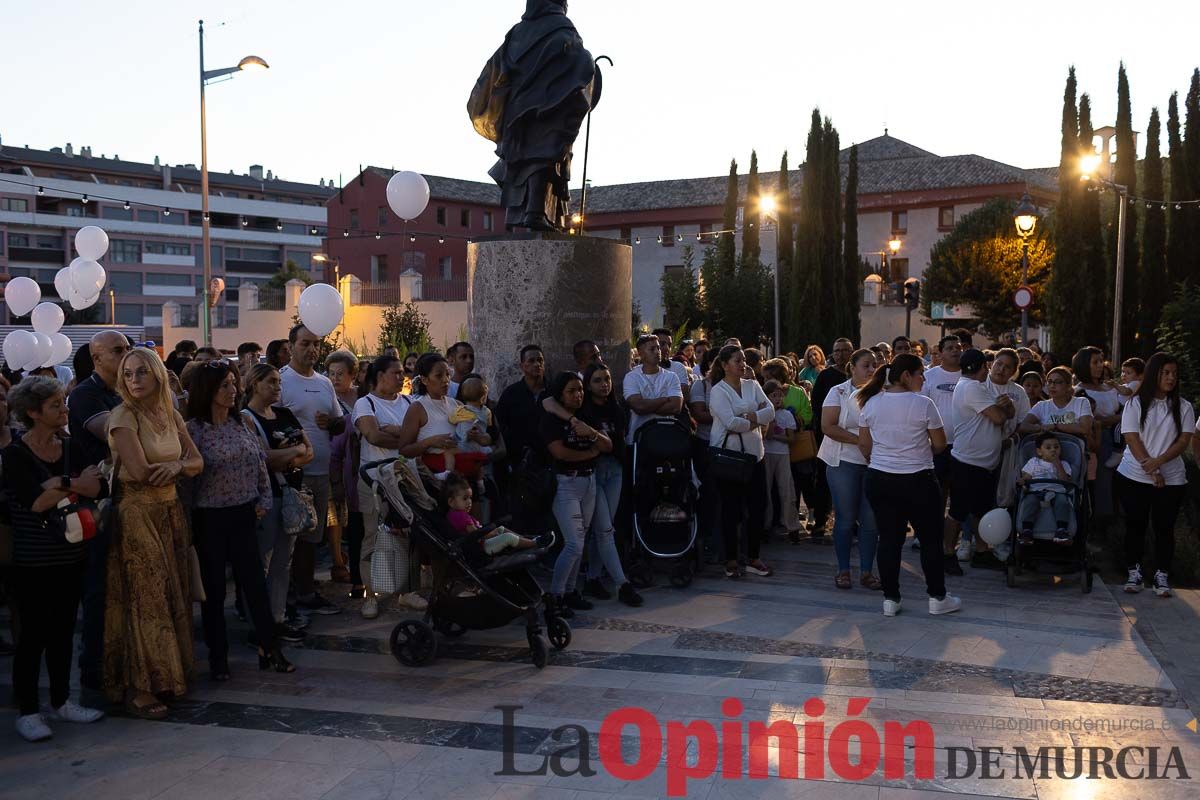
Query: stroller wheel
point(559, 632)
point(681, 578)
point(451, 630)
point(1010, 576)
point(641, 574)
point(413, 643)
point(538, 651)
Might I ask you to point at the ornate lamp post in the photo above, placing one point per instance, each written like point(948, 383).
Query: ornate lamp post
point(1087, 172)
point(1026, 218)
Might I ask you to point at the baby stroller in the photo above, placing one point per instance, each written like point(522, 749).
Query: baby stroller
point(471, 590)
point(1044, 552)
point(664, 492)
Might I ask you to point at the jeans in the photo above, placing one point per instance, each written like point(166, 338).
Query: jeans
point(1031, 508)
point(739, 523)
point(304, 557)
point(602, 544)
point(91, 650)
point(223, 537)
point(47, 599)
point(779, 480)
point(850, 506)
point(1145, 505)
point(275, 549)
point(354, 538)
point(898, 500)
point(574, 506)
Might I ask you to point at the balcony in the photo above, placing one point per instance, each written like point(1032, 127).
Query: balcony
point(38, 255)
point(253, 267)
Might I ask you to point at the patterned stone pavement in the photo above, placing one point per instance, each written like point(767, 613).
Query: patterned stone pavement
point(1041, 665)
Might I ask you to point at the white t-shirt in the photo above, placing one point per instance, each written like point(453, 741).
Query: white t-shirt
point(844, 397)
point(900, 423)
point(1157, 435)
point(1020, 403)
point(784, 421)
point(681, 371)
point(939, 387)
point(385, 412)
point(1047, 413)
point(699, 394)
point(1108, 401)
point(307, 397)
point(1131, 386)
point(1037, 469)
point(976, 438)
point(663, 383)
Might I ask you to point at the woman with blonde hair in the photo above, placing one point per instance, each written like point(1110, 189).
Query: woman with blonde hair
point(814, 362)
point(148, 616)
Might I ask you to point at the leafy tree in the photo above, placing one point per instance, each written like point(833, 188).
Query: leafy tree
point(726, 243)
point(738, 304)
point(1125, 173)
point(289, 272)
point(681, 295)
point(851, 261)
point(751, 215)
point(406, 328)
point(979, 262)
point(1153, 282)
point(1092, 299)
point(1178, 231)
point(1179, 334)
point(636, 317)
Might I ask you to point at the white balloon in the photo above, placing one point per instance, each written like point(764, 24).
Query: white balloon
point(408, 194)
point(87, 277)
point(91, 242)
point(62, 282)
point(995, 526)
point(43, 348)
point(320, 308)
point(62, 349)
point(47, 318)
point(18, 348)
point(22, 294)
point(79, 302)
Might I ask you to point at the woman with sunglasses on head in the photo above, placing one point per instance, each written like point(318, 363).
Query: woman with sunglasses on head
point(899, 431)
point(229, 496)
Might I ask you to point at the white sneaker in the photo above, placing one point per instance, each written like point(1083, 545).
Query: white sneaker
point(70, 712)
point(414, 601)
point(891, 608)
point(370, 608)
point(1133, 584)
point(966, 548)
point(1160, 584)
point(33, 728)
point(947, 605)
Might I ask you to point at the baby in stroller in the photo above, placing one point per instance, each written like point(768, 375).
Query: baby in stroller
point(1046, 465)
point(458, 496)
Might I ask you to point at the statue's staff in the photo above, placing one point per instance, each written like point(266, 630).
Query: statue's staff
point(587, 140)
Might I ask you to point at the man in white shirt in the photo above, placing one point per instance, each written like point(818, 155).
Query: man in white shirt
point(650, 391)
point(311, 397)
point(979, 420)
point(461, 356)
point(939, 387)
point(666, 341)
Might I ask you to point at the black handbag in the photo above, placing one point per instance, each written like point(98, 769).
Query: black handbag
point(534, 483)
point(732, 466)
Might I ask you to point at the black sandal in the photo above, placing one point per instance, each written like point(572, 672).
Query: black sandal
point(219, 672)
point(274, 659)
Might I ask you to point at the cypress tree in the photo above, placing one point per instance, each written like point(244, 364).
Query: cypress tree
point(1096, 289)
point(800, 313)
point(752, 215)
point(1178, 232)
point(835, 319)
point(1125, 173)
point(785, 248)
point(1190, 214)
point(1066, 287)
point(1153, 282)
point(726, 244)
point(850, 259)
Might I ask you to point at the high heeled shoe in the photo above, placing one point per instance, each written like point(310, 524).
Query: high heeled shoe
point(274, 659)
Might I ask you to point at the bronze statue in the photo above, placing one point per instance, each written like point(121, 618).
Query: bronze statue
point(531, 99)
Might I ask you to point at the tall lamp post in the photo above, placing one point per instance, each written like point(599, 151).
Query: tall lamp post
point(249, 62)
point(766, 207)
point(1087, 172)
point(1026, 218)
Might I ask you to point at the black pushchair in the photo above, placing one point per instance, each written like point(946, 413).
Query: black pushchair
point(664, 492)
point(1043, 552)
point(471, 590)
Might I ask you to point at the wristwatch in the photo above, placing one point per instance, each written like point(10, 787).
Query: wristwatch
point(64, 482)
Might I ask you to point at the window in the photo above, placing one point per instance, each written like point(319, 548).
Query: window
point(169, 279)
point(379, 268)
point(1, 245)
point(706, 231)
point(899, 222)
point(298, 228)
point(668, 236)
point(13, 204)
point(441, 215)
point(116, 212)
point(18, 240)
point(125, 251)
point(302, 259)
point(673, 271)
point(188, 318)
point(75, 211)
point(49, 242)
point(381, 216)
point(215, 255)
point(147, 215)
point(945, 218)
point(168, 248)
point(487, 220)
point(125, 283)
point(465, 217)
point(233, 252)
point(354, 219)
point(414, 260)
point(257, 254)
point(446, 267)
point(129, 313)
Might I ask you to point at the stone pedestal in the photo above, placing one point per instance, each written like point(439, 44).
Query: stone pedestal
point(551, 290)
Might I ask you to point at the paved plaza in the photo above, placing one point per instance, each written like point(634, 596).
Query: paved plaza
point(1038, 666)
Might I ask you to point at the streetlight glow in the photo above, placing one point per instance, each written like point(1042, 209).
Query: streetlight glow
point(1025, 217)
point(894, 245)
point(1088, 166)
point(252, 62)
point(577, 218)
point(766, 204)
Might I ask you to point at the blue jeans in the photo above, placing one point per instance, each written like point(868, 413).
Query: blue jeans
point(574, 505)
point(602, 544)
point(850, 506)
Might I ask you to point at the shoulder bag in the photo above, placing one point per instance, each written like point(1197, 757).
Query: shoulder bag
point(732, 466)
point(297, 511)
point(803, 447)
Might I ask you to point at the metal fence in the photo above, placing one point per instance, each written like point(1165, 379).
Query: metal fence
point(425, 289)
point(271, 299)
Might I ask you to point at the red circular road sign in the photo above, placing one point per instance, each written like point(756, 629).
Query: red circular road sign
point(1023, 297)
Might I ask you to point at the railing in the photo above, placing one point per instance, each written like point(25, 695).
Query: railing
point(417, 288)
point(441, 290)
point(271, 299)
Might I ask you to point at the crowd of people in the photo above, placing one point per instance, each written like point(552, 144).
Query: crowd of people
point(202, 466)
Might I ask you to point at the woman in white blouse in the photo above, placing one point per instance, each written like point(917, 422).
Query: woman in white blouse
point(1157, 425)
point(899, 430)
point(1063, 412)
point(845, 471)
point(739, 409)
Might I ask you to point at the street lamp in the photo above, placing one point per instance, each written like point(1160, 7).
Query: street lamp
point(1088, 166)
point(1025, 217)
point(247, 63)
point(321, 258)
point(767, 208)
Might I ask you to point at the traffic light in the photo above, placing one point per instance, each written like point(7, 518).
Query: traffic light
point(912, 293)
